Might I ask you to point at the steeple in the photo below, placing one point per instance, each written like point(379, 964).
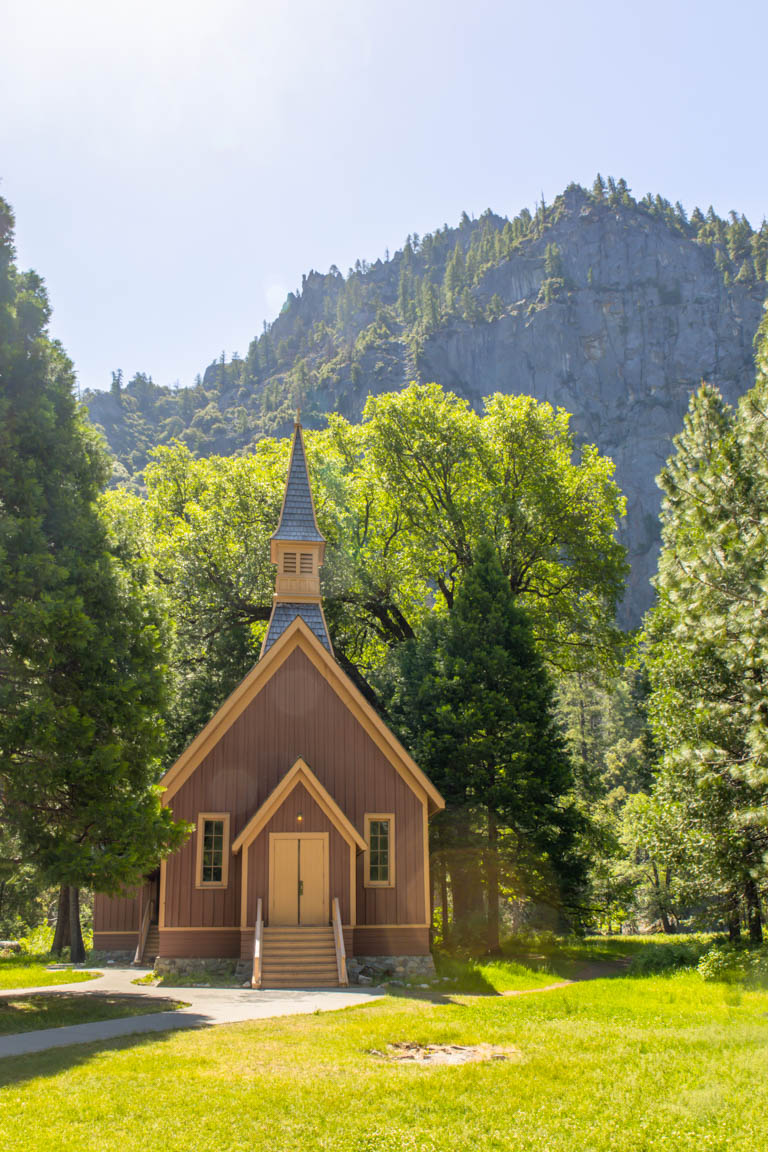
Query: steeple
point(297, 549)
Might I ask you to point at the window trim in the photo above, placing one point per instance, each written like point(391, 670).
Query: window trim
point(199, 882)
point(367, 882)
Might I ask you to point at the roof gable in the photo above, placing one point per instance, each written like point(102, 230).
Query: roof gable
point(298, 635)
point(300, 773)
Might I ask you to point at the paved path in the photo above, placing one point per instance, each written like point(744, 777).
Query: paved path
point(207, 1006)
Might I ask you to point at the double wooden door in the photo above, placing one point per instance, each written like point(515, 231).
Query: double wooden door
point(298, 878)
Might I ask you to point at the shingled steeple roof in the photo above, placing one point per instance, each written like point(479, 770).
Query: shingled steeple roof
point(297, 549)
point(297, 518)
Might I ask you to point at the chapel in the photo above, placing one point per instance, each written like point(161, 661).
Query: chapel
point(309, 861)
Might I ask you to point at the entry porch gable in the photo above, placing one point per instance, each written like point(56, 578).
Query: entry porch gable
point(299, 775)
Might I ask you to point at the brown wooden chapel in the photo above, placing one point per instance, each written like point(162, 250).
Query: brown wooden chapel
point(310, 845)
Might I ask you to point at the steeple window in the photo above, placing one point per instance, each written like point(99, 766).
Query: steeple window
point(289, 562)
point(305, 564)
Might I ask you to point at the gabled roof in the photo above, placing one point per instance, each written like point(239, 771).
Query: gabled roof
point(298, 635)
point(297, 518)
point(300, 773)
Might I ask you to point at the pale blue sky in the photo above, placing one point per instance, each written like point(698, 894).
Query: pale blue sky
point(175, 165)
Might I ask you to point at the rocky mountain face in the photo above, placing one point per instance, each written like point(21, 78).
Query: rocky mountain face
point(610, 308)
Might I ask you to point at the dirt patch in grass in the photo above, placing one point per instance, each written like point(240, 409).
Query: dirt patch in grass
point(406, 1052)
point(60, 1009)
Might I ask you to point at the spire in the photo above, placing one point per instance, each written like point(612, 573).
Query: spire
point(297, 549)
point(297, 518)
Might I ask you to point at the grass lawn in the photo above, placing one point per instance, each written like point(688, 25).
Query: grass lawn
point(57, 1009)
point(624, 1065)
point(30, 972)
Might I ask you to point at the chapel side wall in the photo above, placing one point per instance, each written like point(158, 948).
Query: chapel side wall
point(285, 820)
point(296, 714)
point(116, 921)
point(116, 913)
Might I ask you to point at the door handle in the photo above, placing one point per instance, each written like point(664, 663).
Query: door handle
point(301, 887)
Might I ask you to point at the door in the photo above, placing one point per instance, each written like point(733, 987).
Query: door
point(298, 879)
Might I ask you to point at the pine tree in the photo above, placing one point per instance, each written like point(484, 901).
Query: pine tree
point(81, 683)
point(476, 706)
point(708, 646)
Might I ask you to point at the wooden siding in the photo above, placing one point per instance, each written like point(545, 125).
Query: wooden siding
point(296, 714)
point(116, 913)
point(115, 941)
point(394, 941)
point(285, 820)
point(200, 944)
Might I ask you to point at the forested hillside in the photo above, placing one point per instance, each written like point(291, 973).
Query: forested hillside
point(611, 307)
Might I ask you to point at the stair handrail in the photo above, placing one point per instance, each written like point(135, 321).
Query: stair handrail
point(143, 931)
point(338, 936)
point(257, 947)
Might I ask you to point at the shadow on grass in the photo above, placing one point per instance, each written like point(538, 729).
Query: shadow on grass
point(38, 1011)
point(15, 1070)
point(439, 997)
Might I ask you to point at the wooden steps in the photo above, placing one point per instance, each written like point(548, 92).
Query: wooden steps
point(299, 958)
point(152, 946)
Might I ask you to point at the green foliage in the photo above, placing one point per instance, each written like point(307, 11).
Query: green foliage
point(707, 646)
point(403, 499)
point(81, 681)
point(734, 965)
point(475, 705)
point(668, 955)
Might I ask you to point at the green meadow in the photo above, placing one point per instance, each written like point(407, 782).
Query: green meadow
point(634, 1063)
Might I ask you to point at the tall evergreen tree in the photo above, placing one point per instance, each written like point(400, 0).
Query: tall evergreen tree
point(476, 706)
point(81, 683)
point(707, 648)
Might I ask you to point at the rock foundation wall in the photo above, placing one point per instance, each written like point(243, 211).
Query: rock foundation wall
point(371, 969)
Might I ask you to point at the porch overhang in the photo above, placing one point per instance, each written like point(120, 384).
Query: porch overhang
point(300, 773)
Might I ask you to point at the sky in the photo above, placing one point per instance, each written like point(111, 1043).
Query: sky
point(175, 166)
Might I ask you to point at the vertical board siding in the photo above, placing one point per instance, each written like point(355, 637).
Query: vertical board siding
point(116, 913)
point(295, 714)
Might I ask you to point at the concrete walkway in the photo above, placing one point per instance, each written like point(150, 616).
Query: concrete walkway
point(207, 1006)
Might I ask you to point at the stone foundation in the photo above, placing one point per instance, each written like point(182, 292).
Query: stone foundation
point(122, 958)
point(224, 969)
point(372, 969)
point(360, 969)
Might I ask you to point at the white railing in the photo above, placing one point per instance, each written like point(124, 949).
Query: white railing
point(338, 936)
point(257, 948)
point(143, 932)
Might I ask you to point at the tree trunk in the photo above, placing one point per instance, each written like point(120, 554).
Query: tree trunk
point(467, 892)
point(492, 884)
point(465, 868)
point(444, 898)
point(754, 913)
point(61, 936)
point(734, 920)
point(76, 946)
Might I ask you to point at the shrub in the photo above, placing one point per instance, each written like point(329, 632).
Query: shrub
point(667, 957)
point(734, 965)
point(38, 940)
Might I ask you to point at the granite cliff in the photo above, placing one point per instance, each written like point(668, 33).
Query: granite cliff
point(612, 308)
